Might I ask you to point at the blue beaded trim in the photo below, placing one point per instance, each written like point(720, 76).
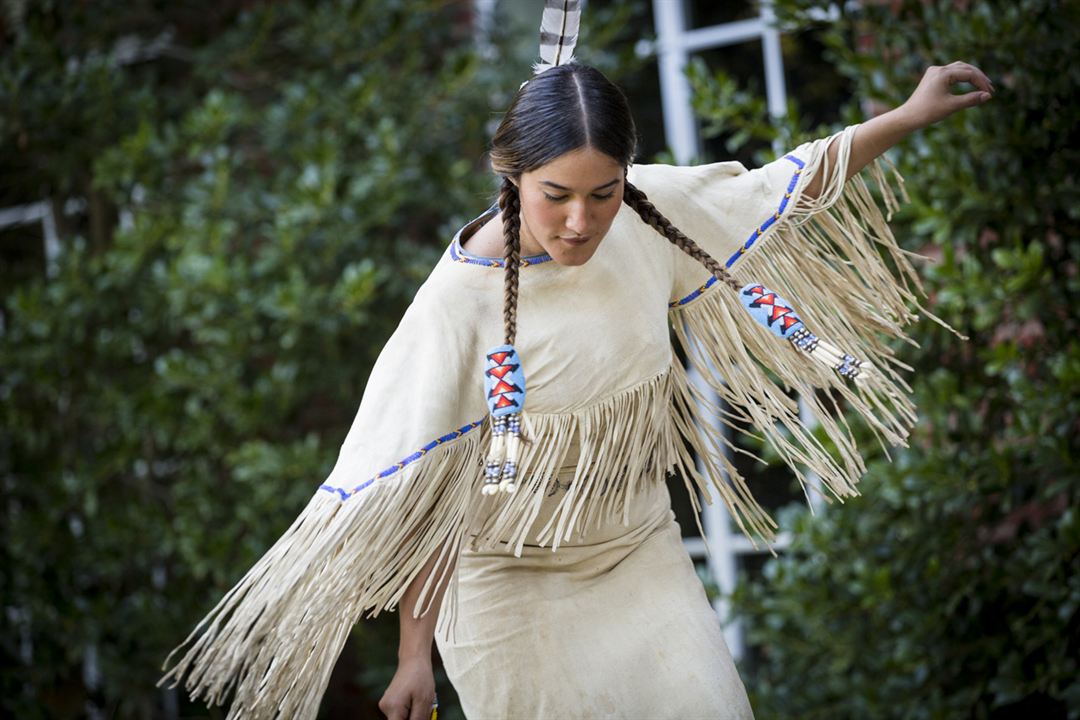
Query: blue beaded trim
point(758, 231)
point(691, 296)
point(458, 254)
point(400, 465)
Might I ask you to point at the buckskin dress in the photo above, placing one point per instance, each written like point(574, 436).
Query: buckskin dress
point(573, 596)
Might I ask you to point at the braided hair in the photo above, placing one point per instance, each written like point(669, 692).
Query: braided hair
point(640, 203)
point(510, 205)
point(563, 109)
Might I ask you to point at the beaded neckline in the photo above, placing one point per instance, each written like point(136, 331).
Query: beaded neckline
point(459, 254)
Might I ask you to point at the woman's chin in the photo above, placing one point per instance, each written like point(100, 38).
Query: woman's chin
point(572, 260)
point(573, 255)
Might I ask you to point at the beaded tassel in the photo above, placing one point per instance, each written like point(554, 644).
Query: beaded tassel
point(496, 453)
point(777, 315)
point(508, 481)
point(504, 383)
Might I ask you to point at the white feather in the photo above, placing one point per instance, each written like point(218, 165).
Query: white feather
point(559, 28)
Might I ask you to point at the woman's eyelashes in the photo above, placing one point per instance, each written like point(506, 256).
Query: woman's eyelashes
point(560, 198)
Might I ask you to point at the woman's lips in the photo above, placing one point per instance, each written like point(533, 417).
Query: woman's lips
point(577, 240)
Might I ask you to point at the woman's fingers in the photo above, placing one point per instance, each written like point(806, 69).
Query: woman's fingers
point(396, 708)
point(421, 708)
point(394, 711)
point(411, 692)
point(933, 99)
point(963, 72)
point(415, 707)
point(967, 100)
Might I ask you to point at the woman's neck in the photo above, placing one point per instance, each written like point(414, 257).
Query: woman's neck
point(488, 240)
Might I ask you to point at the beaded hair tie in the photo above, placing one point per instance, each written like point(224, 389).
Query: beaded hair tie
point(504, 383)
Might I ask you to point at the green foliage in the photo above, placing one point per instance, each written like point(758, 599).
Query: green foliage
point(952, 587)
point(264, 195)
point(177, 391)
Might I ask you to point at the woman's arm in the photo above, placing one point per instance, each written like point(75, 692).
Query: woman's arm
point(932, 101)
point(412, 690)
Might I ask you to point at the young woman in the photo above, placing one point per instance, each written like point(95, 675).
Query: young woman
point(566, 592)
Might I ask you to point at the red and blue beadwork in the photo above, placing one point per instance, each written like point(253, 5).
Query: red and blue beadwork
point(504, 386)
point(770, 310)
point(504, 381)
point(778, 317)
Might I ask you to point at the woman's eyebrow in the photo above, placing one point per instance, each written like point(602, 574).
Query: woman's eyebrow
point(595, 189)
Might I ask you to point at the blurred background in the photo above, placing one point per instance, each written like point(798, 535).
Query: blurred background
point(212, 215)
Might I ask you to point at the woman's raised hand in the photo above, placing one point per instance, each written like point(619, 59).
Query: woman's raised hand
point(933, 99)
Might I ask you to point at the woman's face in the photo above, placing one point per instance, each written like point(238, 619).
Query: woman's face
point(568, 205)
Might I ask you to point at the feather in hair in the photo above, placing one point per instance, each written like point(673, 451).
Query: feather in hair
point(558, 33)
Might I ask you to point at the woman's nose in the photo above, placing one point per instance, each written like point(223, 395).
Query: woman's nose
point(575, 219)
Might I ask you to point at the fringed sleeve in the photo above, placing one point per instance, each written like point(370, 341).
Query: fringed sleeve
point(835, 261)
point(397, 495)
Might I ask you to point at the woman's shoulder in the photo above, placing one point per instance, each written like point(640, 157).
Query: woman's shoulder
point(667, 179)
point(457, 297)
point(485, 240)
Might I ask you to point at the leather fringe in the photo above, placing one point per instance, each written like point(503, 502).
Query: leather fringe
point(836, 259)
point(275, 637)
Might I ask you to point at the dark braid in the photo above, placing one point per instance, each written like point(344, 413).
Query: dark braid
point(640, 203)
point(510, 205)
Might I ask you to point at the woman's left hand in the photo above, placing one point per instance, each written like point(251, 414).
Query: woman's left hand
point(933, 100)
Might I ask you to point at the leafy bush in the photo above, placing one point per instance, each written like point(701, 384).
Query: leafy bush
point(177, 391)
point(952, 587)
point(264, 187)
